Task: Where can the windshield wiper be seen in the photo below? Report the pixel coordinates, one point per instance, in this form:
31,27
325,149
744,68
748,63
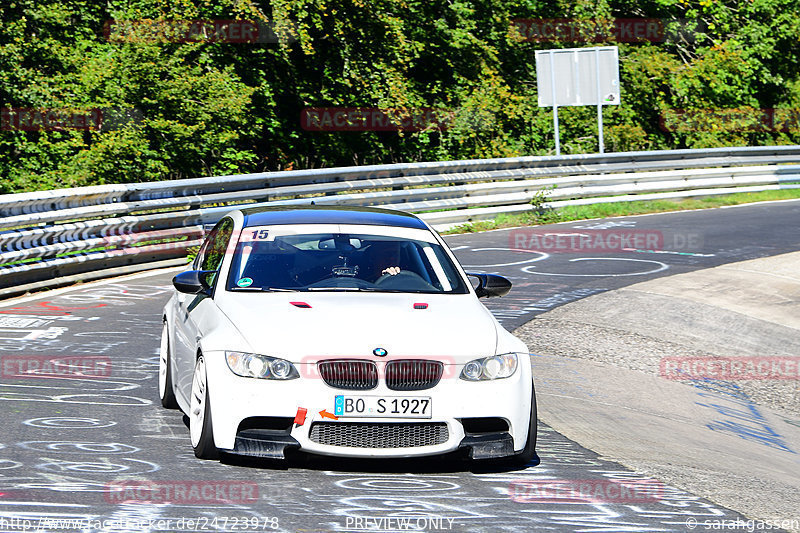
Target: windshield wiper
351,289
262,289
360,289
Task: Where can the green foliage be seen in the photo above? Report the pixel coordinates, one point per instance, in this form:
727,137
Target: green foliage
540,197
190,109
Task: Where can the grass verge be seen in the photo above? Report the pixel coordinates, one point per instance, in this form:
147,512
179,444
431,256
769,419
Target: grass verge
619,209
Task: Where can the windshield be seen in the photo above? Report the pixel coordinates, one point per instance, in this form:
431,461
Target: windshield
281,258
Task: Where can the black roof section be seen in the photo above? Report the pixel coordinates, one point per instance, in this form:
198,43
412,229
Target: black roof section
309,214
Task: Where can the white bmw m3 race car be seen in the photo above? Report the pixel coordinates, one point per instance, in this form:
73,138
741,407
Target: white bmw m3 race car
348,332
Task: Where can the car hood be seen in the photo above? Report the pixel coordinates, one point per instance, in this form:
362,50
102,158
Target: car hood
453,328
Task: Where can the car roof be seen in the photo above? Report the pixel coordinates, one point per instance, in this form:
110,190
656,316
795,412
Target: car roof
279,215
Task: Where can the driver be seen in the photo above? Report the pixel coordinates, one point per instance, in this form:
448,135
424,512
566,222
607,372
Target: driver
380,259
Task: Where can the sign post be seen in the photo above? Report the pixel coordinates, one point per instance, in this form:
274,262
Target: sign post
555,106
578,77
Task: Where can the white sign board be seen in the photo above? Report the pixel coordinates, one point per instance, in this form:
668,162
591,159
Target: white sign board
578,76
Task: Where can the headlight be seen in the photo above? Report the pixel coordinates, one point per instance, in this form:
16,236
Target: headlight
251,365
495,367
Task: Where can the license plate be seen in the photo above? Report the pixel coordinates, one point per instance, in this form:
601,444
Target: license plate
383,406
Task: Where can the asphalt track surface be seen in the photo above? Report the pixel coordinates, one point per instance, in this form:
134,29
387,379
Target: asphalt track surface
71,446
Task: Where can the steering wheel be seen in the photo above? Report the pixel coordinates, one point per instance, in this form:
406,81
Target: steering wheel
404,280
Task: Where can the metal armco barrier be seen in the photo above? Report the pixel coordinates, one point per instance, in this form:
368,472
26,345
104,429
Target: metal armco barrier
50,238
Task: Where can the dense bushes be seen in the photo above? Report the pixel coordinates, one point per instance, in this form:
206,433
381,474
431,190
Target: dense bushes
174,109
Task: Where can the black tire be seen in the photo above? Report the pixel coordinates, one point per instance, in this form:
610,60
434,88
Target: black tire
205,447
167,393
528,453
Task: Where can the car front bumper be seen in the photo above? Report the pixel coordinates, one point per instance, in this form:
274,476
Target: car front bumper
233,399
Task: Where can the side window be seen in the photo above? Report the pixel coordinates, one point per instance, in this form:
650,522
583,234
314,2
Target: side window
202,252
213,252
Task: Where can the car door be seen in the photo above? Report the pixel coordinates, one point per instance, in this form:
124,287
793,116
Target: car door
192,309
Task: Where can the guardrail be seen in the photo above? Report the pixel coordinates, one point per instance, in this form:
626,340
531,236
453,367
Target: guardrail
50,238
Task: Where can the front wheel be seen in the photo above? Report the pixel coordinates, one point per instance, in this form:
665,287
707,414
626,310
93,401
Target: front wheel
528,453
166,391
200,427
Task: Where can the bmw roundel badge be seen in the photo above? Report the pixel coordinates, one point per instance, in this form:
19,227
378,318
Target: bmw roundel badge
380,352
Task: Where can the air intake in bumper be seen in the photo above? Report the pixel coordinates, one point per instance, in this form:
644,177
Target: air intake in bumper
379,436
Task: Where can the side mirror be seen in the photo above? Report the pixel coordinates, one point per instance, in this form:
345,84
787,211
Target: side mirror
490,285
193,282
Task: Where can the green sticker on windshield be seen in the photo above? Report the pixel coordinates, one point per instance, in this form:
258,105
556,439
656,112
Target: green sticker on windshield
245,282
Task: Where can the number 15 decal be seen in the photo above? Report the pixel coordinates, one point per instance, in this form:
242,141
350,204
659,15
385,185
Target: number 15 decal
259,235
